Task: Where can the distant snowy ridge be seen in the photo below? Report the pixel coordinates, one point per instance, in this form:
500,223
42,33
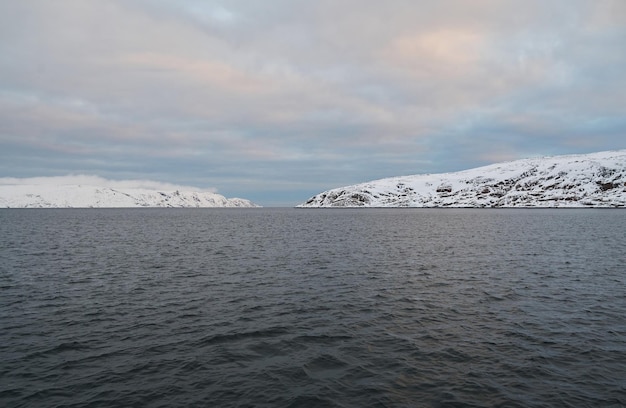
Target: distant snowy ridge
87,196
585,180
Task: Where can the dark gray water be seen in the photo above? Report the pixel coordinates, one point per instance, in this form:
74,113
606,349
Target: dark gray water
297,308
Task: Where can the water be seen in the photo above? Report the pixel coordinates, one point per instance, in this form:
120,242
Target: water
297,308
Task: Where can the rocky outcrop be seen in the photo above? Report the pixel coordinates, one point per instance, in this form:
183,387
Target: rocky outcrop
591,180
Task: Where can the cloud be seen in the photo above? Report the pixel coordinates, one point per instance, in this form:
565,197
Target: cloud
90,180
263,96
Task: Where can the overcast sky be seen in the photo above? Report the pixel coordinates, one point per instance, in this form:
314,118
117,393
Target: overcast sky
277,100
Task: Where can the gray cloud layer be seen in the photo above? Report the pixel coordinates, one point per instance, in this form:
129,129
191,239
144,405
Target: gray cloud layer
277,100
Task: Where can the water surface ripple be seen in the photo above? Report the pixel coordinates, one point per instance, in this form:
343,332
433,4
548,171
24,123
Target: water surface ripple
298,308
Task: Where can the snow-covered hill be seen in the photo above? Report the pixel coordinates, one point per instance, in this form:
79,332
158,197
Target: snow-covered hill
85,196
589,180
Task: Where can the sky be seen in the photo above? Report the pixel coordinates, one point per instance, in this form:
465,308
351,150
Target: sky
278,100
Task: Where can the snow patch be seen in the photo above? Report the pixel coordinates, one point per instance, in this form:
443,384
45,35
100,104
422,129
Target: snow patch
59,192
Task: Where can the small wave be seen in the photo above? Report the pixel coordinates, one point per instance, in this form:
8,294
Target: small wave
239,336
324,367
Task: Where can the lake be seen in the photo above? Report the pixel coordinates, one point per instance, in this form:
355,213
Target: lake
312,308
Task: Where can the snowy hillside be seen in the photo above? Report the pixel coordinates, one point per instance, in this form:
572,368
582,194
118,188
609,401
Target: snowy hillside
589,180
85,196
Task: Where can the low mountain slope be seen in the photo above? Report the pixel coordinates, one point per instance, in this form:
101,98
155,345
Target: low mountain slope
85,196
589,180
